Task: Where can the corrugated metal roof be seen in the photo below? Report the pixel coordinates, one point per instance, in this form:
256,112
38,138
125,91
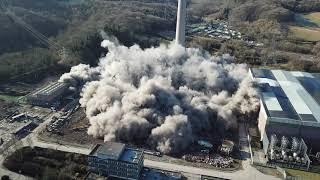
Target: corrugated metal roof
295,99
297,94
271,101
263,73
50,89
271,82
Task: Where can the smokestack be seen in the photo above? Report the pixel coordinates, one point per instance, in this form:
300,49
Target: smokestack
181,22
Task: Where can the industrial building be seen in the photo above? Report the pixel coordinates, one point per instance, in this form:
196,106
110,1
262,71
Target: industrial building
24,130
48,96
288,152
289,105
116,160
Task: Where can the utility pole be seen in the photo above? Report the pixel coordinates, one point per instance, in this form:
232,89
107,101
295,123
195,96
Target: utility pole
63,54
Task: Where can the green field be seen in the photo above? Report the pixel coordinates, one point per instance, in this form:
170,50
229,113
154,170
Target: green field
303,174
9,98
307,34
313,17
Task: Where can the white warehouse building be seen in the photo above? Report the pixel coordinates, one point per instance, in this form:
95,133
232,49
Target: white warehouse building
289,104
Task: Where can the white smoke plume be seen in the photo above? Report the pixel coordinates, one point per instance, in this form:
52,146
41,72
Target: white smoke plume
164,96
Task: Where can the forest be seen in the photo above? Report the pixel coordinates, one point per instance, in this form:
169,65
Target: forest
78,27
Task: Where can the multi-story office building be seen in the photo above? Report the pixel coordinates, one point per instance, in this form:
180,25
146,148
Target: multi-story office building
116,160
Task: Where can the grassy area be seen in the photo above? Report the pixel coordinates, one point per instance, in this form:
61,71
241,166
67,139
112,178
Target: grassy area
269,171
265,67
272,67
9,98
307,34
313,17
303,174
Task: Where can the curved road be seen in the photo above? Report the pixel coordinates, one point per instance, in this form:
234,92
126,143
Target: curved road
247,173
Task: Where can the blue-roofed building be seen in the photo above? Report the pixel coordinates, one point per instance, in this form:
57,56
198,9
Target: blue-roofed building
290,104
116,160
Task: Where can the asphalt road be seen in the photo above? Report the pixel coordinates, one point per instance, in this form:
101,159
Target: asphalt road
247,173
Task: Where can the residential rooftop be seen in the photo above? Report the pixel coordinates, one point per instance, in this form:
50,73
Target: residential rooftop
289,96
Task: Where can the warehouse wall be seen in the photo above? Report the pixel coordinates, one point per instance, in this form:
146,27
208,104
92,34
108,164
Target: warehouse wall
283,129
311,136
262,120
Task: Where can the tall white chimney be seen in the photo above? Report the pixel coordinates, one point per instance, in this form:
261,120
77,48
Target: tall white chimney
181,22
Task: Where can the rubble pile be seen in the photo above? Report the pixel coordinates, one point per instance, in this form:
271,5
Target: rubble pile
214,160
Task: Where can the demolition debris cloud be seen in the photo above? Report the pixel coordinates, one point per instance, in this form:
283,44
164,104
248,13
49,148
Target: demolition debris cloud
164,96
